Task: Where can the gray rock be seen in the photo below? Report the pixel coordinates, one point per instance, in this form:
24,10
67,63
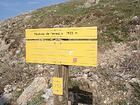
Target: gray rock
48,96
3,45
5,99
135,80
135,18
87,5
137,28
90,3
39,83
0,32
8,88
58,25
86,70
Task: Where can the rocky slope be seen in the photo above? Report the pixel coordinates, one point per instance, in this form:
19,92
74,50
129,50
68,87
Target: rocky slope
116,80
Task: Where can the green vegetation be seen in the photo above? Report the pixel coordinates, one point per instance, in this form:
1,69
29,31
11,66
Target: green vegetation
37,100
17,94
74,83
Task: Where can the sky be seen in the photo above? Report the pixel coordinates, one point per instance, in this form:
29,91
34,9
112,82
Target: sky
10,8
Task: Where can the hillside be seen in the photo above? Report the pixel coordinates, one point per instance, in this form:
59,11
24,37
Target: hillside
116,80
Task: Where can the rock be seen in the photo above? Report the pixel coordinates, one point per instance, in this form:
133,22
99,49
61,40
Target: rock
48,96
106,101
8,88
40,68
39,83
135,18
27,17
90,3
94,84
18,51
135,80
52,68
5,99
87,5
137,27
0,32
58,25
86,70
3,45
85,76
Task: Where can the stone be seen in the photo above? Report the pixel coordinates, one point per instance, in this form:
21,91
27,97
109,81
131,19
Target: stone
40,68
27,17
86,70
52,68
8,88
85,76
0,32
137,28
94,85
18,51
3,46
87,5
58,25
5,99
90,3
48,96
39,83
135,80
135,18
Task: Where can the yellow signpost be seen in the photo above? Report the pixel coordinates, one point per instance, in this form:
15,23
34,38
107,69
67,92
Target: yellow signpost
80,53
62,46
62,33
57,86
41,48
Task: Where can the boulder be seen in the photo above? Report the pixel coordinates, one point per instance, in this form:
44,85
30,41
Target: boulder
48,96
39,83
5,99
3,45
9,88
135,18
90,3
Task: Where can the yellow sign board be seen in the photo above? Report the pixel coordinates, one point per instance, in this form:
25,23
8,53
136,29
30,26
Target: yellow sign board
57,86
48,49
65,33
78,53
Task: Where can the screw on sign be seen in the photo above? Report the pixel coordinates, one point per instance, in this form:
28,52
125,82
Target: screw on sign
57,86
63,47
74,60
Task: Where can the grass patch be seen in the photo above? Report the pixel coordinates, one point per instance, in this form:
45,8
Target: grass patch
73,83
37,100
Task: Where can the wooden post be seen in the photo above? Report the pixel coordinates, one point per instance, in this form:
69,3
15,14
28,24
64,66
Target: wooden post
62,72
